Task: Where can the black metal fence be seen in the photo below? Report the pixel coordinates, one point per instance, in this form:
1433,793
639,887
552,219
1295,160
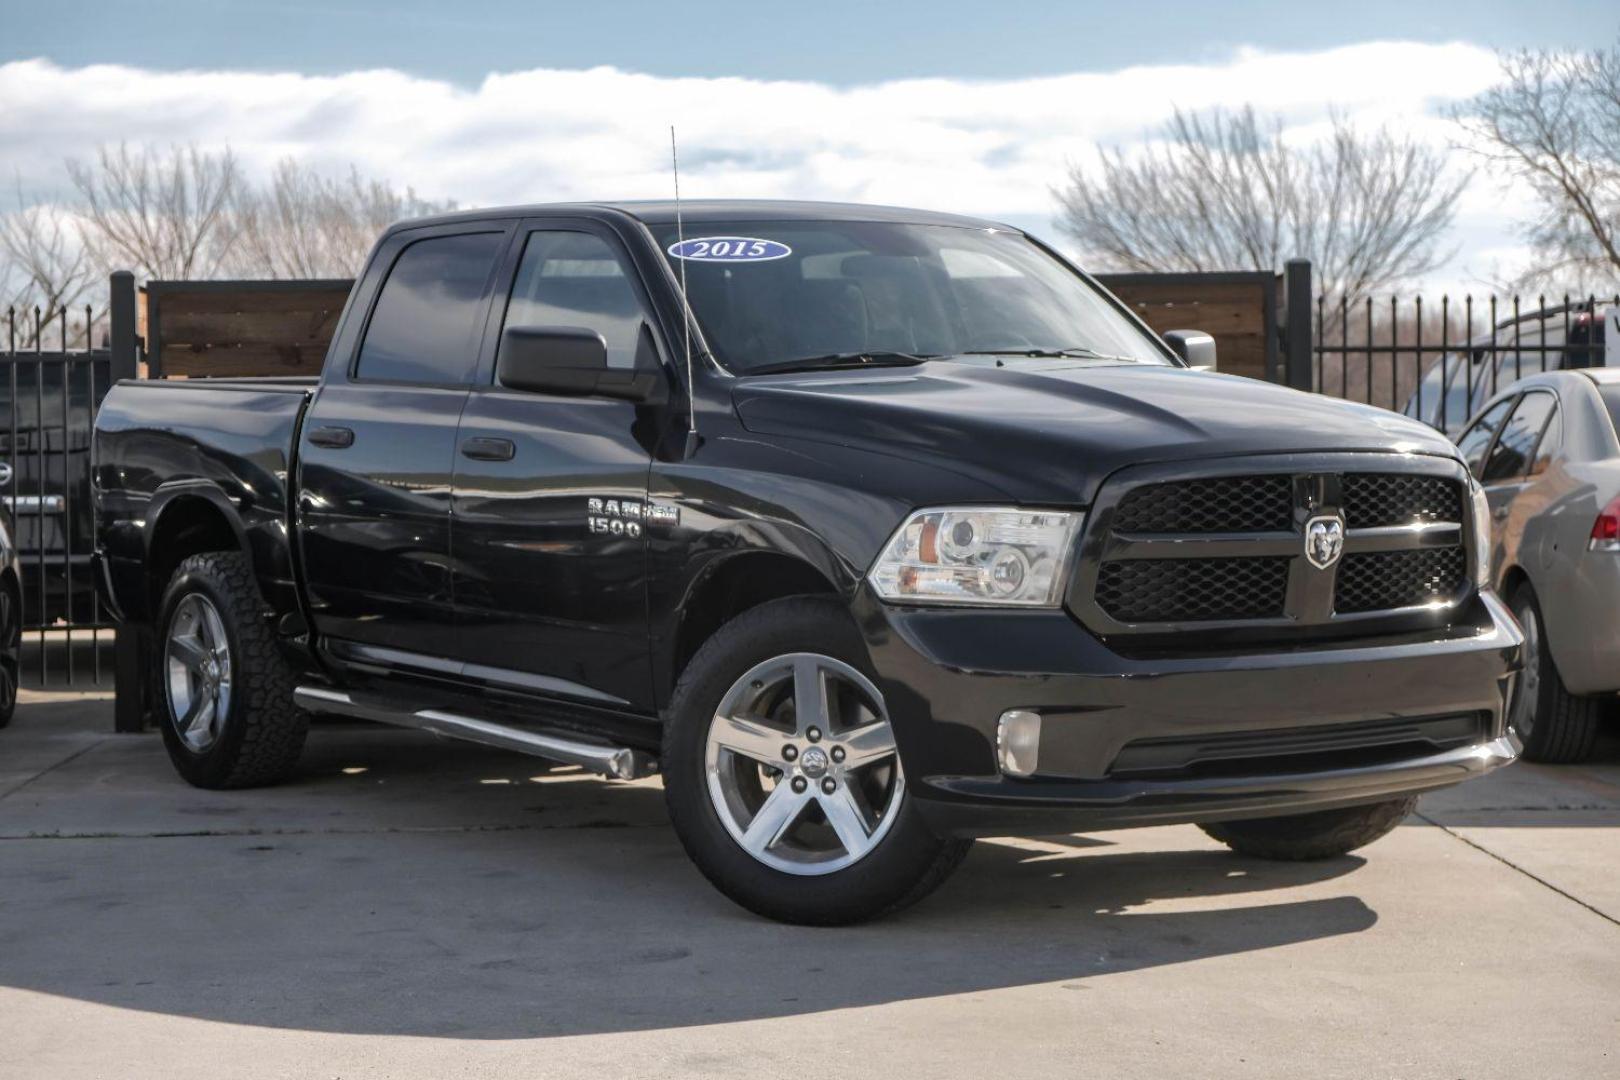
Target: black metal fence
52,392
1439,362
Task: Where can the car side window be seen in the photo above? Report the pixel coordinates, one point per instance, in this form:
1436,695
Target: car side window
1477,439
1510,457
1552,439
422,329
577,279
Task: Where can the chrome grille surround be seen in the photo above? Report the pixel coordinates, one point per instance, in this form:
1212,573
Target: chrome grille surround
1407,547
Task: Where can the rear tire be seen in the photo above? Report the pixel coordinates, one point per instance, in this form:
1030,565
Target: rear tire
1324,834
1556,726
224,691
804,868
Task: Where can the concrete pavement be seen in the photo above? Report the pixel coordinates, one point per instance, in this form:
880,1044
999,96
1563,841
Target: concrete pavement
410,907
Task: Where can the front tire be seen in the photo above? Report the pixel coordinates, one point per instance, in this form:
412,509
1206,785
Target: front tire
1324,834
1556,726
224,691
781,776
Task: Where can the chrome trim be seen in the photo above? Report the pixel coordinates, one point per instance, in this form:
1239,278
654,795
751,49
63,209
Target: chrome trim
1423,534
31,504
618,762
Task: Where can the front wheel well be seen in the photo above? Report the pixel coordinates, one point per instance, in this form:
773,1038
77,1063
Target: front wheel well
1512,578
736,585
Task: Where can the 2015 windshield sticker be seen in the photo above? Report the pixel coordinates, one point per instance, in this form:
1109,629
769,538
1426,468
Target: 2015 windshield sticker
729,249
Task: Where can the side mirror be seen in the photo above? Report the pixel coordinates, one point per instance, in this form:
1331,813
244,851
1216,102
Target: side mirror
573,361
1196,348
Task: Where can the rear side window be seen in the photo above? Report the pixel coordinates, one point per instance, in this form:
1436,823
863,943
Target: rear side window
423,327
1510,457
576,279
1477,439
1610,393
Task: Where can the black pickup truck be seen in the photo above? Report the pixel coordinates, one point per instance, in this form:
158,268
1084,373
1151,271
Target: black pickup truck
872,530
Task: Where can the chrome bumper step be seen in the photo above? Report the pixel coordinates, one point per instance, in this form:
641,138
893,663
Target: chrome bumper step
618,762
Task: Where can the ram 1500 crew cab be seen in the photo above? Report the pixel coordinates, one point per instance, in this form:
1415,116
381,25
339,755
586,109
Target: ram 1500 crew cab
872,530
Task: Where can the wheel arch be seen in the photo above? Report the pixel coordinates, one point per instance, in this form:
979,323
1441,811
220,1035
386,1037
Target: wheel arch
187,518
729,586
1513,577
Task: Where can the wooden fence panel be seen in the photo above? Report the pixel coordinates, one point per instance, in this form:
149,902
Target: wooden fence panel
198,329
1238,309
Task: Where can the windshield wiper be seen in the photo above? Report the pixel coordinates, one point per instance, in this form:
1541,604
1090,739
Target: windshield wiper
1078,352
842,360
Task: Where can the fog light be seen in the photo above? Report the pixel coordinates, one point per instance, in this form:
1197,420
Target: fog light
1018,742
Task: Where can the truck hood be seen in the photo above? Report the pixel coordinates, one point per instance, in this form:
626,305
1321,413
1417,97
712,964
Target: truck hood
1051,432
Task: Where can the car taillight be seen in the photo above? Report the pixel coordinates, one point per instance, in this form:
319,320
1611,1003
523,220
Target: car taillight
1606,529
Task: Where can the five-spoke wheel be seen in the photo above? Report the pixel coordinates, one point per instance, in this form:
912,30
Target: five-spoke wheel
782,771
224,688
197,661
801,765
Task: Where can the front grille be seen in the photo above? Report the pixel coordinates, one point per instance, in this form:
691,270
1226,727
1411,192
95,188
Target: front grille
1231,550
1193,590
1226,504
1374,499
1379,580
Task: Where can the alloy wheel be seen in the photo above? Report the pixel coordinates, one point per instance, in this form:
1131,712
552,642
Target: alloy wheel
197,666
801,764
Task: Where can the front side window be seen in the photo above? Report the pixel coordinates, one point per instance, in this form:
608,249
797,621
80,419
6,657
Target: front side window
1510,457
576,279
423,329
773,292
1477,439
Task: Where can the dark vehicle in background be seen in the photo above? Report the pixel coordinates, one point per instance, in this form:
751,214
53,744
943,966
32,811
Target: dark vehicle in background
47,403
10,620
1581,335
1549,459
872,530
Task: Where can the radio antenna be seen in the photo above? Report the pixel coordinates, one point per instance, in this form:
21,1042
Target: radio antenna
686,305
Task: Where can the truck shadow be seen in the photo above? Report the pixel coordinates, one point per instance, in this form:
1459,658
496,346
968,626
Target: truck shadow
584,916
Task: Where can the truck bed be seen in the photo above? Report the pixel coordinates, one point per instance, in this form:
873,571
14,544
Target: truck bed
164,446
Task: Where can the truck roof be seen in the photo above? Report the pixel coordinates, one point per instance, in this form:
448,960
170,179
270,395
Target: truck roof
702,211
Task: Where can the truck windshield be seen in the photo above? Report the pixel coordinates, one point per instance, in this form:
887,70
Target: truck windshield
768,294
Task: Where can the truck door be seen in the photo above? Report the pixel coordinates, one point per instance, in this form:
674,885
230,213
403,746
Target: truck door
379,442
550,492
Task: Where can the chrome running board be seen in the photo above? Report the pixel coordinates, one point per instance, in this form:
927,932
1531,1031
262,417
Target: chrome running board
618,762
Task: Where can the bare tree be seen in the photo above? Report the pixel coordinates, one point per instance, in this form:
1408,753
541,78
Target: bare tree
305,225
1225,191
47,265
162,214
1554,121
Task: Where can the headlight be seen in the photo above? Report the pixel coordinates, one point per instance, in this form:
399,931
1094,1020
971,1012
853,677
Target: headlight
1482,533
997,557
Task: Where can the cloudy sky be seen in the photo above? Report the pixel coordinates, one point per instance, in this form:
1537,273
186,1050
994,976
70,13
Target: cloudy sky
976,107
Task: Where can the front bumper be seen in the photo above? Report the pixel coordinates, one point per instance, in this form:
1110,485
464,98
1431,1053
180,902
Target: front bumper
947,676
